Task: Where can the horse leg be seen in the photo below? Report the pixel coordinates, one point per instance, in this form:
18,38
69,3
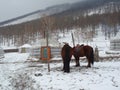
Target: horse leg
63,65
77,61
89,65
66,66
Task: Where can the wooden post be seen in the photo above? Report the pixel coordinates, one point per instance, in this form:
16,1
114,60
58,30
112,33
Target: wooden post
73,39
47,35
96,54
47,42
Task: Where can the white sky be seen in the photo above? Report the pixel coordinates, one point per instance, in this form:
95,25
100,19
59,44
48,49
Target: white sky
13,8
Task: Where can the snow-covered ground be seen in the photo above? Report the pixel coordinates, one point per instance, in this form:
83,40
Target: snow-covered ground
18,73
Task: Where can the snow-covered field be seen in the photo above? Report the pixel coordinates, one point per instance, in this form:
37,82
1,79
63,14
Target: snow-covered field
18,73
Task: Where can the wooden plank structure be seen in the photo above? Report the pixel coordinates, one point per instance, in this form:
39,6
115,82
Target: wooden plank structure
45,53
36,52
115,43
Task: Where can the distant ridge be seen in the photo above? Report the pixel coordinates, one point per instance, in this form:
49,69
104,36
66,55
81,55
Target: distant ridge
48,11
81,7
20,17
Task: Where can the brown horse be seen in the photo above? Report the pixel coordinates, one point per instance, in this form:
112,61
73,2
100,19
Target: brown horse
66,54
81,51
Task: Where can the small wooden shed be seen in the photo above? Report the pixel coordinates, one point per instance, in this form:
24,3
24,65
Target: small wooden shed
26,48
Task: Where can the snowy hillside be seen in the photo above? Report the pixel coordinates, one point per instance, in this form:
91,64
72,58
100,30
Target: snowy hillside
84,7
106,8
25,19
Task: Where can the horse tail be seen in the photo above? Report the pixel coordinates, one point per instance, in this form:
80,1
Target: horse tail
92,56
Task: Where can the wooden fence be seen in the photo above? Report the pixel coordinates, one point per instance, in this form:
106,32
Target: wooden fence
56,52
115,44
36,52
10,50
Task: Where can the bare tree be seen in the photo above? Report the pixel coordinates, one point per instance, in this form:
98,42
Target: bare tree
47,24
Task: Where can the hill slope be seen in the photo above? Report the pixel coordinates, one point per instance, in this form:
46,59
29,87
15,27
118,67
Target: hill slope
86,7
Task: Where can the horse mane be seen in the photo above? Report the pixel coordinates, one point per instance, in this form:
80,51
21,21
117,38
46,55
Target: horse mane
65,43
82,45
66,48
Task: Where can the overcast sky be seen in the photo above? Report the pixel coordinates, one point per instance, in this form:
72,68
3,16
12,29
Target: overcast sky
13,8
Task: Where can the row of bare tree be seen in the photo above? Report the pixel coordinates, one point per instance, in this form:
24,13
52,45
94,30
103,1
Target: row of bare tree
29,32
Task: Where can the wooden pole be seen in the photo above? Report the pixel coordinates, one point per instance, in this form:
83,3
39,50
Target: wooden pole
96,54
47,42
73,39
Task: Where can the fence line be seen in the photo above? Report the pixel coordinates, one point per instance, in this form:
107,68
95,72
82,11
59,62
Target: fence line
56,52
36,52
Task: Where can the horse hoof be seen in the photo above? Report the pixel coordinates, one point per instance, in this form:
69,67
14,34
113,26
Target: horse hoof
77,65
89,66
67,72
